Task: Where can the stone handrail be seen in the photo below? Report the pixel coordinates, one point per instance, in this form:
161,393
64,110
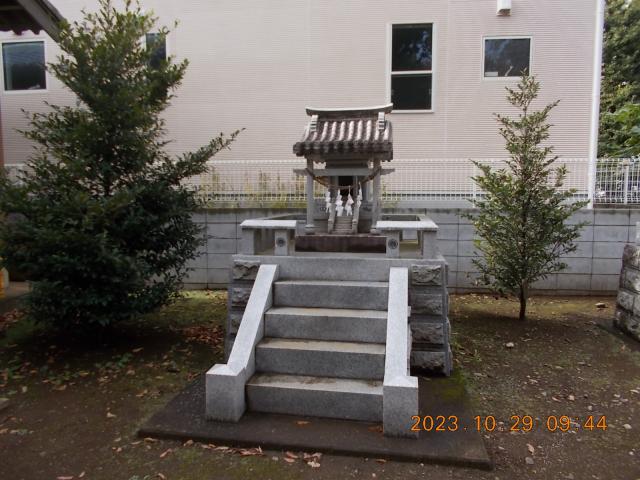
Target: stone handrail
225,383
332,217
400,389
259,233
426,229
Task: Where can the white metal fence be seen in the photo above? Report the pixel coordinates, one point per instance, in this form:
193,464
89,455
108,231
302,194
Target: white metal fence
617,181
414,180
441,181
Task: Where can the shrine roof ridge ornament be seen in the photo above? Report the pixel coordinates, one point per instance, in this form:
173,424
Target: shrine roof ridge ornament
338,132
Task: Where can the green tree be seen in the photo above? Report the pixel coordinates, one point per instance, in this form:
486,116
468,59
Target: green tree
101,221
522,219
621,78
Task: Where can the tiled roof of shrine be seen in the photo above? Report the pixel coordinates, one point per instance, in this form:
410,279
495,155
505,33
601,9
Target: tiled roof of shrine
347,131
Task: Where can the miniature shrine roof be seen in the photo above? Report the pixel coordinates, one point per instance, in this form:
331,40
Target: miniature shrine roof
362,131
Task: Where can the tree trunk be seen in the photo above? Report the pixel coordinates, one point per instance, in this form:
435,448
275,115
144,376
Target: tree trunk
523,302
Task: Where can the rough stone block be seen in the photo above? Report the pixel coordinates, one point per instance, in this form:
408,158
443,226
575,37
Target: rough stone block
427,332
426,303
626,300
628,323
239,296
429,361
631,256
426,274
234,317
245,269
630,280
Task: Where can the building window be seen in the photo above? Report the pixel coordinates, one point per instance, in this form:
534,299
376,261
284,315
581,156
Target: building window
506,57
411,66
23,66
157,44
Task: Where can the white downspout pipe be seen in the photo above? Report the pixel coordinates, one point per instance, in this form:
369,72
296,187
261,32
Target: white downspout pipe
595,98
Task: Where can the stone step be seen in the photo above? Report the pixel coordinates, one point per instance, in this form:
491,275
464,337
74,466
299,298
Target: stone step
341,324
348,399
331,294
321,358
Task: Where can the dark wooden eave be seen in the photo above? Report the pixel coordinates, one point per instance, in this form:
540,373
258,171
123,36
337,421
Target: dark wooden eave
21,15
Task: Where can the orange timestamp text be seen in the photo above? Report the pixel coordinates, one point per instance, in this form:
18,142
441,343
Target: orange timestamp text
517,423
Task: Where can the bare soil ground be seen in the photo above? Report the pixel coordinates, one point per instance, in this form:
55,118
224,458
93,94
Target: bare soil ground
76,402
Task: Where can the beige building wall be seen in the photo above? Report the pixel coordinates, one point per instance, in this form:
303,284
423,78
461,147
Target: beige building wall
257,63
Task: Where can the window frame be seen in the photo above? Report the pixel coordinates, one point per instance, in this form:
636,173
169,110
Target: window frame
31,39
390,72
167,53
505,37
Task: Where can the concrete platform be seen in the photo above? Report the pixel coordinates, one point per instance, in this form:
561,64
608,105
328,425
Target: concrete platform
183,419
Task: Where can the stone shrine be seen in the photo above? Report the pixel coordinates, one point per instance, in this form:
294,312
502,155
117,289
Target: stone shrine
329,314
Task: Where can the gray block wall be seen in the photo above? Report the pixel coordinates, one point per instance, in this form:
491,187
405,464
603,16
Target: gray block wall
593,269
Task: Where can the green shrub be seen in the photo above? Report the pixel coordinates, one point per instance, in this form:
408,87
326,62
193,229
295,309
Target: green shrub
100,221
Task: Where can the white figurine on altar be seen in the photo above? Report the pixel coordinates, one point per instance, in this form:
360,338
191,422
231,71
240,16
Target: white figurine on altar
339,207
359,199
349,208
327,200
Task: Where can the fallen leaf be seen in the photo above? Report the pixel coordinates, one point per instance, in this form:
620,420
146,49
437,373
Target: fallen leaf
165,453
188,443
302,422
64,478
137,350
531,448
150,440
376,428
509,344
110,415
288,460
291,455
528,460
251,452
381,460
161,476
313,464
82,475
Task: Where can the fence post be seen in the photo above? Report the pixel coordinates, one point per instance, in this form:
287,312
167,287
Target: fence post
625,187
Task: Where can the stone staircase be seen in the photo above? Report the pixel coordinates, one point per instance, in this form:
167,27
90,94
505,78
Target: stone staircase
316,336
342,225
323,351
